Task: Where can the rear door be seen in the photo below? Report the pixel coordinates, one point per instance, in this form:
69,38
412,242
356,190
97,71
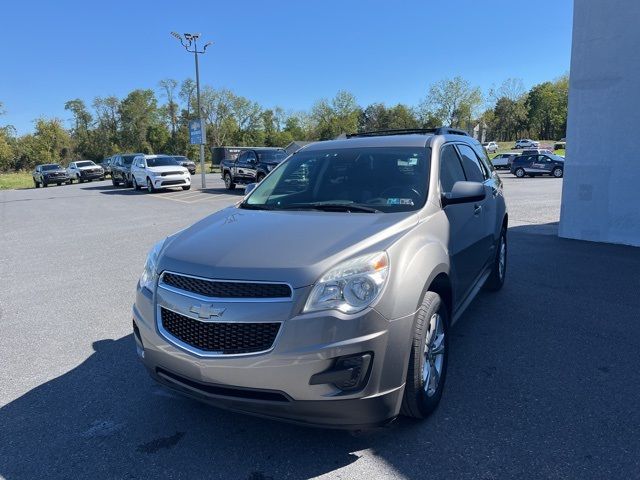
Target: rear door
465,221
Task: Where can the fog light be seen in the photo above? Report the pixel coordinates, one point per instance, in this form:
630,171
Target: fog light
348,373
139,344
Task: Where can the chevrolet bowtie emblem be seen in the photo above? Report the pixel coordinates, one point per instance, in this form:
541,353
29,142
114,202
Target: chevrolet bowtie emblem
206,311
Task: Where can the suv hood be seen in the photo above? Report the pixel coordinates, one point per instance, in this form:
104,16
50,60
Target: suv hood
296,247
90,167
167,168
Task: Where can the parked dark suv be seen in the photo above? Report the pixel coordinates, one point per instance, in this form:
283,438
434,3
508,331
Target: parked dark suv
121,169
44,175
251,166
534,165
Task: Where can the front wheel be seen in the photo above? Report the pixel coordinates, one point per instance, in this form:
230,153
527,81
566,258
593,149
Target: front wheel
36,184
519,172
228,182
557,172
135,184
150,187
428,359
186,187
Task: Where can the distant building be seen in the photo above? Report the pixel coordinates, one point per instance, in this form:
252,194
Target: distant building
295,146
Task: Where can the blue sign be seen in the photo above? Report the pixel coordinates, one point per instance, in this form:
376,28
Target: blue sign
196,132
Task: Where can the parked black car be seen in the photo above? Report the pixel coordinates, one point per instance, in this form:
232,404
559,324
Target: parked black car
534,165
186,163
121,169
251,166
49,173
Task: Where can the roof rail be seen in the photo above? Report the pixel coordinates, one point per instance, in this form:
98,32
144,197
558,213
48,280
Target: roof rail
409,131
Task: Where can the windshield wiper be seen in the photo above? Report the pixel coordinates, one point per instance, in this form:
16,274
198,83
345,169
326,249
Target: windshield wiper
253,206
331,207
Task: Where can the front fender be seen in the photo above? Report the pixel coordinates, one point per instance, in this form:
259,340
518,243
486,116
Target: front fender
415,260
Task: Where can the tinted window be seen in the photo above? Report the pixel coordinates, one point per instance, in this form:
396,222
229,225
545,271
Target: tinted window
471,164
50,167
450,168
389,179
272,155
85,164
127,159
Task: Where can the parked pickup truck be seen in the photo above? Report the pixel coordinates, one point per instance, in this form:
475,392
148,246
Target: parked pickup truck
251,166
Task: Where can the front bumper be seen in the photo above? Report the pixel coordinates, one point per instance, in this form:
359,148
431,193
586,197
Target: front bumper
171,181
279,380
91,176
57,179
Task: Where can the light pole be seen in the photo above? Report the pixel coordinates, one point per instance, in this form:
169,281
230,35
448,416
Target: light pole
190,43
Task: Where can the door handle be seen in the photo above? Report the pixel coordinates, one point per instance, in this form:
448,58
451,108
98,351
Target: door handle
477,209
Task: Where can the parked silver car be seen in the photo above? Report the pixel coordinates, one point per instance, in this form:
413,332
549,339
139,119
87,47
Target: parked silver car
326,295
491,147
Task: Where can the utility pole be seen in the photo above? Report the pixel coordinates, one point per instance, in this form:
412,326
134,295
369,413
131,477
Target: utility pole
190,43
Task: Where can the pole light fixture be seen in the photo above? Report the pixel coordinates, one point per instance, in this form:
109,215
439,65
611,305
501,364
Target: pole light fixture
190,43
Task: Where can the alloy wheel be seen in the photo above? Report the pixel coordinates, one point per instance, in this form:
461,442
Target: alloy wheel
433,355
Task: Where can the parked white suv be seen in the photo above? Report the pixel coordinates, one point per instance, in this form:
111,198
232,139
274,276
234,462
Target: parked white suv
154,172
491,147
526,143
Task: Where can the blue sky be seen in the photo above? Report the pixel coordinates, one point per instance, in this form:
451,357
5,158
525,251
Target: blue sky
275,52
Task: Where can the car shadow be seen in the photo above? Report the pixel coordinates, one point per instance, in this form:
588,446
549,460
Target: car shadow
238,191
111,190
542,382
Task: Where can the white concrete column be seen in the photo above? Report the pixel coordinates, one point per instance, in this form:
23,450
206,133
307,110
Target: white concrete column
601,191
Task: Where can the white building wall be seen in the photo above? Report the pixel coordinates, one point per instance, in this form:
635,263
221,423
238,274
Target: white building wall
601,191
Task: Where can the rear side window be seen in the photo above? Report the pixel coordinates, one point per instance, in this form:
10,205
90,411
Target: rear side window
450,168
471,164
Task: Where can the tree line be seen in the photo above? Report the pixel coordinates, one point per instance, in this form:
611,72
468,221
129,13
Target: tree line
151,121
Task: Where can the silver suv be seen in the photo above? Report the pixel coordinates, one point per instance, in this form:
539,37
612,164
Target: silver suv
326,295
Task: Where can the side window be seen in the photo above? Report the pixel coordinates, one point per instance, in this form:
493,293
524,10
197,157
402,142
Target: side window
242,157
450,168
471,164
486,163
251,157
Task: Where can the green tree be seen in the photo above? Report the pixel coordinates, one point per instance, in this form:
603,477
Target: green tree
138,113
452,102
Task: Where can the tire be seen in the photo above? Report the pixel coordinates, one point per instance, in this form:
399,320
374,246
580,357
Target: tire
150,187
37,185
135,184
115,182
58,184
228,182
519,172
420,397
557,172
186,187
499,268
44,184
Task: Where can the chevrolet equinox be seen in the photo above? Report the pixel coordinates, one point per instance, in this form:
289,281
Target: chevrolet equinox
326,296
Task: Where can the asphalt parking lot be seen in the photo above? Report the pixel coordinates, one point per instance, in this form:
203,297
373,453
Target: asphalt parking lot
543,376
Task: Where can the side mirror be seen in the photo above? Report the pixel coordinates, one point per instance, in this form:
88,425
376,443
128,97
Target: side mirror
464,192
249,188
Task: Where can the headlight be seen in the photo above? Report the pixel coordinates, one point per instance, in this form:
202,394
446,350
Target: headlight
351,286
150,273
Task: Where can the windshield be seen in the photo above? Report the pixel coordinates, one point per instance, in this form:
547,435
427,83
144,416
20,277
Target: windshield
85,164
161,162
128,159
386,179
181,159
557,158
51,167
271,155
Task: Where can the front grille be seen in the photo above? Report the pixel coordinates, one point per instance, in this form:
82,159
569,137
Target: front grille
218,289
172,182
224,338
166,174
